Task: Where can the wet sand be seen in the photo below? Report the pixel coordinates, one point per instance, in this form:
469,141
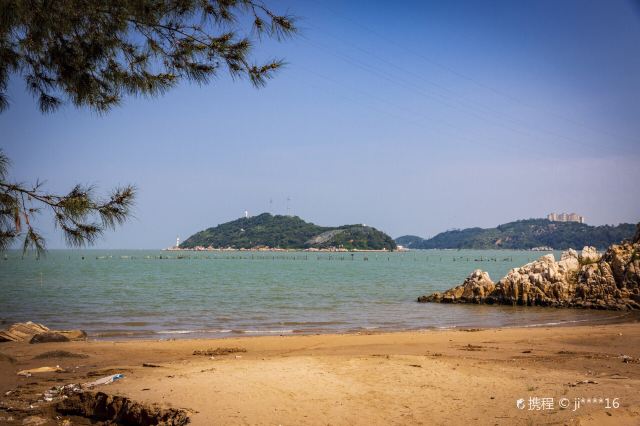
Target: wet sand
430,377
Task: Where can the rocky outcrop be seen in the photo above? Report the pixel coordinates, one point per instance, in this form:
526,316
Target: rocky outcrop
474,289
37,333
584,280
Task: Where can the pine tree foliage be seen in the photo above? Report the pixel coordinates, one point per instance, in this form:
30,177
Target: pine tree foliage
92,53
80,215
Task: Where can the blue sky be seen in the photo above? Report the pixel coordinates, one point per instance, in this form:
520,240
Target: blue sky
414,117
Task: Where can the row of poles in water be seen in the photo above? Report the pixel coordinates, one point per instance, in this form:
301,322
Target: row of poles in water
332,257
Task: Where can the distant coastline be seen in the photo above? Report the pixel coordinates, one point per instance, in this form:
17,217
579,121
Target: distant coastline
529,234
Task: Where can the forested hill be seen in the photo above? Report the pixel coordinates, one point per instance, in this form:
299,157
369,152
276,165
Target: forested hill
525,234
288,232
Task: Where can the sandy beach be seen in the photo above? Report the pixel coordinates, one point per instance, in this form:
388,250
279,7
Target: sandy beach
431,377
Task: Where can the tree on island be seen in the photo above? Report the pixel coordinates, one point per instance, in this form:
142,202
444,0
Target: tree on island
92,54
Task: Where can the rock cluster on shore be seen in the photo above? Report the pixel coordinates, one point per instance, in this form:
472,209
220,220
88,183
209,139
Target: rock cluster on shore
37,333
585,280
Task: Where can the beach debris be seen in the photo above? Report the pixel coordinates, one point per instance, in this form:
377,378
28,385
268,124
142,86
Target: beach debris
528,351
34,421
582,382
415,365
62,391
31,371
629,359
108,372
103,381
471,347
219,351
618,377
26,331
60,354
146,364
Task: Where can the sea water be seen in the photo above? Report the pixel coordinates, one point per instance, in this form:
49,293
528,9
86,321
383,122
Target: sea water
148,293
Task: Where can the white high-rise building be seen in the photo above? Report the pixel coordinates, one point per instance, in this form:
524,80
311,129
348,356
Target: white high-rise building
565,217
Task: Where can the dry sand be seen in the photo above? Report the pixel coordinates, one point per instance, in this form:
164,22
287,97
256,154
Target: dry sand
430,377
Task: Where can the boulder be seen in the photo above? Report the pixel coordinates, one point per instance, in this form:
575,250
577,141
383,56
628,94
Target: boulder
27,331
22,331
49,337
73,334
475,288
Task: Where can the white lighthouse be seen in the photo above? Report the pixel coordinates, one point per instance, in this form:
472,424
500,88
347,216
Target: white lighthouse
177,242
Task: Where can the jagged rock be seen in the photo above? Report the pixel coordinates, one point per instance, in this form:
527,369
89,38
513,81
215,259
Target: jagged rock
589,255
542,282
474,289
26,331
588,280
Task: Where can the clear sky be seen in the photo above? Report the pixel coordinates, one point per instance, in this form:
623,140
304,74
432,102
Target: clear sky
413,117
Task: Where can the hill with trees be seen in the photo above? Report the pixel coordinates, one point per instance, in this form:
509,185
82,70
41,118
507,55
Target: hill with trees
288,232
524,235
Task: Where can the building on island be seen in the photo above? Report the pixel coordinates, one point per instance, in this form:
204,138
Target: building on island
566,217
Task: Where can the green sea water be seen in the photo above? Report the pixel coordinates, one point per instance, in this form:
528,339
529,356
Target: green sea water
146,293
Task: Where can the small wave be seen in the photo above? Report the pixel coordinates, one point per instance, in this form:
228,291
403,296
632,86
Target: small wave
191,331
562,322
135,323
118,333
262,331
306,323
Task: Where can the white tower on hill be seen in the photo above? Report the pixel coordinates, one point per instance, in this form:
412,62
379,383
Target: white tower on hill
177,241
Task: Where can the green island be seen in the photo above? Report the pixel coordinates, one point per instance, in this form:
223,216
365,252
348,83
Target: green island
288,232
525,235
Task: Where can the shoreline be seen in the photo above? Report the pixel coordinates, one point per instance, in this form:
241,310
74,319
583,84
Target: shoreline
627,317
408,377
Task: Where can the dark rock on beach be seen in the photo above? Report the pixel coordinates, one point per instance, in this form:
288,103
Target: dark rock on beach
585,280
114,409
49,337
